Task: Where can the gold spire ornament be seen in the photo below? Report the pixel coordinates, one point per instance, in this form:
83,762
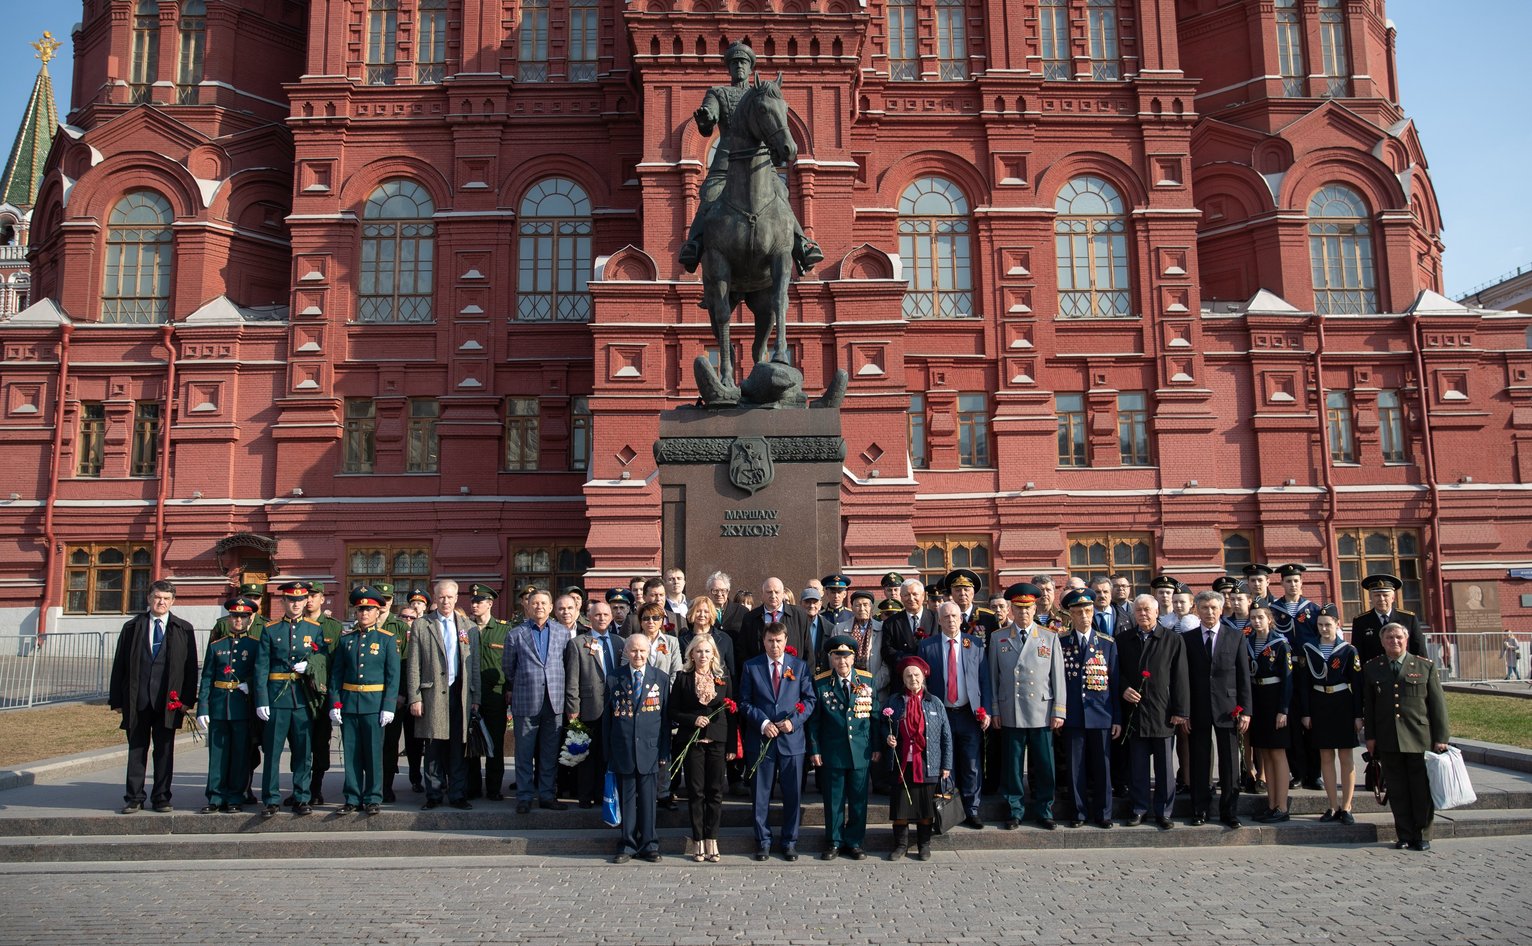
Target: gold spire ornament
47,47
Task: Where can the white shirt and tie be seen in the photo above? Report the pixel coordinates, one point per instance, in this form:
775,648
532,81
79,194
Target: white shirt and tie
449,643
952,653
156,637
776,684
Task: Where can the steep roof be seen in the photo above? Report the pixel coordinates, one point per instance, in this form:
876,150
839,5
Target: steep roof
24,168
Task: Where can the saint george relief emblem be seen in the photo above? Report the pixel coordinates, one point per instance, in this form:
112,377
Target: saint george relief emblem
750,466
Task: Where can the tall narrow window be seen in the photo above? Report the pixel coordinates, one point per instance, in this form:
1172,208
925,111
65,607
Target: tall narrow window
422,451
1332,47
193,50
579,433
521,433
973,430
431,46
916,417
1340,253
532,42
361,428
382,42
554,253
903,42
933,239
1133,428
1338,420
1091,237
1053,39
398,254
90,450
136,289
1290,58
146,439
1101,21
952,39
1391,426
582,40
1070,409
146,50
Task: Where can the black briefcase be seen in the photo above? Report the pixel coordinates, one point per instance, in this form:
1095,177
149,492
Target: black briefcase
949,807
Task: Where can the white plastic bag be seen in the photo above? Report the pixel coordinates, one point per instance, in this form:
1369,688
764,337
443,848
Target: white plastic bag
1449,779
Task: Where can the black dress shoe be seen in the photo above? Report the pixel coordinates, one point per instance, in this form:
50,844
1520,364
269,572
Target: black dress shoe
1345,817
250,798
1401,845
622,858
302,808
231,809
1165,824
972,821
1104,823
523,807
430,803
462,804
669,804
1233,823
417,788
1421,846
346,809
1199,820
269,812
1077,823
1314,785
1011,824
855,853
1047,824
1134,821
789,853
762,853
652,857
209,809
373,808
388,795
829,854
163,809
318,799
553,804
495,796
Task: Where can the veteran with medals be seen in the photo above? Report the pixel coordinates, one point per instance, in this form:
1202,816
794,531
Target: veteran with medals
1025,668
839,744
637,737
364,683
1093,715
226,711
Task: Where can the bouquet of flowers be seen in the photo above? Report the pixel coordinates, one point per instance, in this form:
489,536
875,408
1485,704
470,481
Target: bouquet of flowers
576,744
188,721
766,746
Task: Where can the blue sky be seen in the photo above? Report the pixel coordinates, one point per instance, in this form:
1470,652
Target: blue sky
1463,80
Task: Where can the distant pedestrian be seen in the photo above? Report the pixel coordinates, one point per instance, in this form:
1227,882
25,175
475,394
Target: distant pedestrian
1512,650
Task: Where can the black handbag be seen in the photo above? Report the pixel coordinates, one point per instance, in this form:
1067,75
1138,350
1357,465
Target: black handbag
949,807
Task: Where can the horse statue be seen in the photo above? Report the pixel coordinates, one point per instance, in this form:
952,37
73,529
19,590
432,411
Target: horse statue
747,255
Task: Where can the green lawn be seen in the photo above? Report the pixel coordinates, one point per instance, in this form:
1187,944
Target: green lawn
1503,719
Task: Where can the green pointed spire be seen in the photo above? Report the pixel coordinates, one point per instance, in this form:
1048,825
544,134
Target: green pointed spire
24,168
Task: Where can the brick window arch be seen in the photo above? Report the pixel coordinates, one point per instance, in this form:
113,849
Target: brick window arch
1091,241
139,253
554,253
934,242
1340,252
398,254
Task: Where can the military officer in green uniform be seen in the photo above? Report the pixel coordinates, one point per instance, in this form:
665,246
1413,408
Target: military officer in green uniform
839,744
253,591
364,683
389,621
225,711
331,629
492,631
290,656
1405,715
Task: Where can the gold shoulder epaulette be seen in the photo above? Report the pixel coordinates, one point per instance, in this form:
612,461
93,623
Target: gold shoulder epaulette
385,633
822,674
864,673
1403,611
980,609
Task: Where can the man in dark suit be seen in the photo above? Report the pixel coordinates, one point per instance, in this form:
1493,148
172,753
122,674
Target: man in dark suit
959,681
154,681
1218,674
1151,661
1382,592
821,627
773,609
1108,618
588,661
903,632
776,698
1405,713
637,737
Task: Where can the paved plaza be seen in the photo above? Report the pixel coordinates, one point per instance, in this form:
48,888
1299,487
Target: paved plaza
1470,891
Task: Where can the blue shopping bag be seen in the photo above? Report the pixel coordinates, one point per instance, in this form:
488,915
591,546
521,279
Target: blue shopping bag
611,805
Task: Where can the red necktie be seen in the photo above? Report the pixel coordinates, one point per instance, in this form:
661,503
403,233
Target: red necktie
776,677
952,672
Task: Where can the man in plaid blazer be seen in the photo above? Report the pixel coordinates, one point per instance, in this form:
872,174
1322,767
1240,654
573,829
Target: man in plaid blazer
534,683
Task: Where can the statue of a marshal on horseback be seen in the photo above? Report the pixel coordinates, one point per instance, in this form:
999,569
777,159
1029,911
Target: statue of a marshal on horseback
747,239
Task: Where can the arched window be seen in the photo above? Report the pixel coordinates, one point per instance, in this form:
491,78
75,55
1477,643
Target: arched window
1091,240
398,254
933,240
193,50
136,289
554,253
1340,252
146,49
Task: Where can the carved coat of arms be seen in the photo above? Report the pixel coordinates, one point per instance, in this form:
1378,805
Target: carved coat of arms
750,466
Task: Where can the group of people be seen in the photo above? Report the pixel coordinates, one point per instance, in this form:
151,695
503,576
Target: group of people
925,694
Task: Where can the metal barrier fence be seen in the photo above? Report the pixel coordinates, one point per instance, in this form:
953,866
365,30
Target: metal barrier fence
69,665
1484,658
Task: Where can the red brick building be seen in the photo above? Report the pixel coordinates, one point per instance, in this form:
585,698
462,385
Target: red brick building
350,289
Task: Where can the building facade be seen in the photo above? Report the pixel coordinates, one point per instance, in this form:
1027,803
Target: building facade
363,289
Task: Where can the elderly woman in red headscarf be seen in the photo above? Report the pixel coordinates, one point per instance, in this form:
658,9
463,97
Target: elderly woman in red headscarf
913,726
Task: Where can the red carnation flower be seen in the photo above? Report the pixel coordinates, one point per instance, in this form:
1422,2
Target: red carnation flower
228,668
797,707
980,715
1237,711
1145,674
792,651
730,705
315,645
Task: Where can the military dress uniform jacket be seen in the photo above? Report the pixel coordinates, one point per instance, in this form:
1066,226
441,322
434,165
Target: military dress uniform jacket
364,672
1272,663
223,628
1090,682
228,663
1056,620
1367,626
981,622
1026,677
425,679
1343,668
841,732
284,644
492,638
1407,713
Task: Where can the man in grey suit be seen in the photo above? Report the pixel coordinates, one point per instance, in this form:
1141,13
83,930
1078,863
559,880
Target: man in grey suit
588,660
1218,673
443,683
1025,666
534,679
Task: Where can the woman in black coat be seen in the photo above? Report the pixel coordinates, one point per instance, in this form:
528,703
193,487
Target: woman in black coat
699,702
